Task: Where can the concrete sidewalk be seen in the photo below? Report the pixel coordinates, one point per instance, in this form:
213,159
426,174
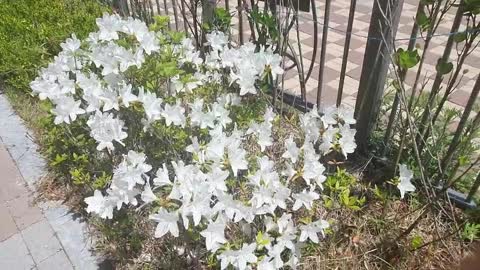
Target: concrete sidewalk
44,236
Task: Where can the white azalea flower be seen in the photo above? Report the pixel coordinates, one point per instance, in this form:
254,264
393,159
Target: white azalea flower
313,170
109,25
330,115
45,88
405,178
100,205
217,40
151,104
71,45
196,150
329,138
292,151
238,258
289,171
125,94
162,178
167,222
311,230
132,170
347,140
221,114
305,198
105,129
311,125
149,42
119,194
197,208
216,181
109,98
174,114
237,158
214,236
147,194
66,110
200,118
284,222
346,115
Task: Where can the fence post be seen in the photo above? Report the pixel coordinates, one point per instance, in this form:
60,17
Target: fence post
121,6
208,9
381,33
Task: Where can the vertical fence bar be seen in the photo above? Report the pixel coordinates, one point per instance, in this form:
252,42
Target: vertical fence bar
321,72
250,23
152,12
184,16
381,33
148,11
175,13
299,62
159,12
133,8
227,5
240,21
127,9
165,6
194,6
315,38
121,6
346,49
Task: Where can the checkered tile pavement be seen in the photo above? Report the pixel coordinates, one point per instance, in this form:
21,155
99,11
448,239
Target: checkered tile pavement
335,45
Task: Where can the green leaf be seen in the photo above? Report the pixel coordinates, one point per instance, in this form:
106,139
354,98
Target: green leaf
328,203
422,20
471,7
407,59
417,241
443,67
471,231
262,240
460,37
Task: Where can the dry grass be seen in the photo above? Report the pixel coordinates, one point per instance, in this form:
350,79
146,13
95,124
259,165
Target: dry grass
367,240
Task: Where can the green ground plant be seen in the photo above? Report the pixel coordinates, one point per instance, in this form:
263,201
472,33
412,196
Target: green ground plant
31,32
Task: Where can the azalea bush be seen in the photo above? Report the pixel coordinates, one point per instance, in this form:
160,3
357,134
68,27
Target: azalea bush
190,140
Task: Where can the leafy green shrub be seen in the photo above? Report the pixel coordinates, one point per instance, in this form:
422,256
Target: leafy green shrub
471,231
31,32
339,191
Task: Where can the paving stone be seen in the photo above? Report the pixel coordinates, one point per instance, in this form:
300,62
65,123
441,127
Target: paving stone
58,261
355,73
41,240
14,254
24,212
73,235
460,97
7,225
32,167
11,181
